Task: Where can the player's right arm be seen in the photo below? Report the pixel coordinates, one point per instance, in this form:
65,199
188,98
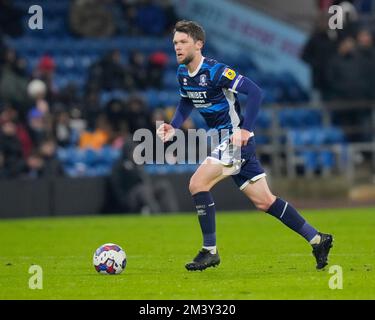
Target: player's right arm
166,131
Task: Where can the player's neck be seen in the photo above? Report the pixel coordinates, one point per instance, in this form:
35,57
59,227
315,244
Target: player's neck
194,64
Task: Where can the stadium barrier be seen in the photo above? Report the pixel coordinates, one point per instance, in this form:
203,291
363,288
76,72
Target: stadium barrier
24,198
90,196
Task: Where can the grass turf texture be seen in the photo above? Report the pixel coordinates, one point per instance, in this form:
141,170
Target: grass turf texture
261,259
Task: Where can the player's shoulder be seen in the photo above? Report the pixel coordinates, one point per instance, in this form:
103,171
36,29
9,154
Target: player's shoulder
210,63
215,68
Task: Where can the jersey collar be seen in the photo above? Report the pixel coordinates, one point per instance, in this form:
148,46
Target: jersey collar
196,70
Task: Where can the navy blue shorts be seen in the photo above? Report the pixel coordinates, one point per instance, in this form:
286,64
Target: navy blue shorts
249,167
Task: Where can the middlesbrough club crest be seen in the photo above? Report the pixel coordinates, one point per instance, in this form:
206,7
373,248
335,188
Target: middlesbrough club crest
203,80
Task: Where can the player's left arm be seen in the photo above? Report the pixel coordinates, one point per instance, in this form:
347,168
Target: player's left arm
253,102
240,84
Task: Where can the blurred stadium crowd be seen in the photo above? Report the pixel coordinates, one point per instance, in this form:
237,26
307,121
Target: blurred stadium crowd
80,97
72,94
342,60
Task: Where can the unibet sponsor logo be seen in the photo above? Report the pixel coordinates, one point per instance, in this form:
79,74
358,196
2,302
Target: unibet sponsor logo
197,95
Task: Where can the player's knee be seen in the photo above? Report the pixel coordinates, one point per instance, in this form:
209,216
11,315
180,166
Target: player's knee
196,185
265,203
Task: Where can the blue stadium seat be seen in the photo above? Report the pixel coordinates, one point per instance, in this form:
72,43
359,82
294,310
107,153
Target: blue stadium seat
310,160
264,119
161,169
262,139
185,168
168,97
108,155
299,118
335,135
327,159
63,156
60,81
103,170
155,169
152,98
292,89
298,138
106,96
88,162
271,95
150,168
310,117
170,80
317,136
90,157
76,170
71,171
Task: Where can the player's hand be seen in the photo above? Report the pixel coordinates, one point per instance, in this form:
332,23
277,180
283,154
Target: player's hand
165,132
240,137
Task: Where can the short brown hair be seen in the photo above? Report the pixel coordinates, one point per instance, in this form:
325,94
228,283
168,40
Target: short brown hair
191,28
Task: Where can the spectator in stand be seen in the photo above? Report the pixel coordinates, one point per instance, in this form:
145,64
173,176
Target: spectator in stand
37,126
13,80
11,149
92,107
2,48
77,123
3,171
349,84
98,137
324,5
62,131
350,18
366,53
34,166
113,75
133,189
137,114
52,166
345,73
109,73
158,115
45,71
157,63
138,70
151,19
91,18
129,9
170,15
317,52
350,21
68,98
121,135
10,19
116,112
364,6
37,91
10,113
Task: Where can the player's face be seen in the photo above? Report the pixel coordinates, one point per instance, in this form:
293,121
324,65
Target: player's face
186,48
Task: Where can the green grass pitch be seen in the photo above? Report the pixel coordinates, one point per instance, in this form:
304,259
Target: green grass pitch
261,259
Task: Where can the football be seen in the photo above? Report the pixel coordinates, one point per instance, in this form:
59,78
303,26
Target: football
109,259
